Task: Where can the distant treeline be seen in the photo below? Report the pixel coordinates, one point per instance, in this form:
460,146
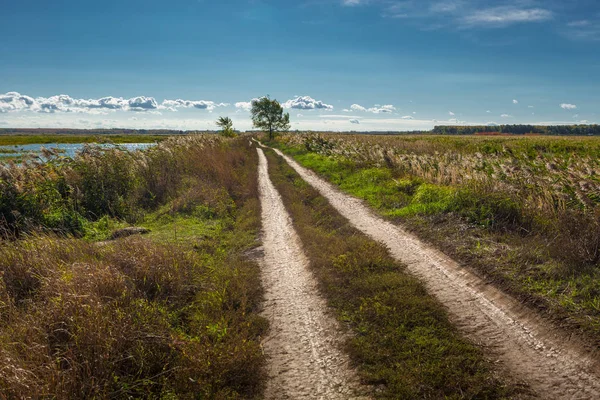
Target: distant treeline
573,130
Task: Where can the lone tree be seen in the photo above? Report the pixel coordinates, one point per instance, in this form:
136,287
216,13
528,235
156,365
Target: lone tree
226,124
268,114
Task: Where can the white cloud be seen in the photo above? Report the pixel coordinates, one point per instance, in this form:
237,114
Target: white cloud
346,110
306,103
407,117
199,104
530,107
357,107
451,113
506,15
488,111
244,105
584,121
14,101
354,121
515,101
142,103
506,116
378,109
300,115
566,106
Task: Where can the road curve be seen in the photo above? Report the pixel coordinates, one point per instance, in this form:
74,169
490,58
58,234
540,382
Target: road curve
550,361
303,344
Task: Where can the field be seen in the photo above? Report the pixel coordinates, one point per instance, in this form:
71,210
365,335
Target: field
186,310
524,211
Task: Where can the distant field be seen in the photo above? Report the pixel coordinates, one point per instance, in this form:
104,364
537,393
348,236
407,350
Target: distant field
11,140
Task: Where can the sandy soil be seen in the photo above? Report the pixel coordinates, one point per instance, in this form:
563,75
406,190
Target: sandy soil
303,345
555,364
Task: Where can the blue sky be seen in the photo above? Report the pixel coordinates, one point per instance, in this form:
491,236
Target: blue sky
334,64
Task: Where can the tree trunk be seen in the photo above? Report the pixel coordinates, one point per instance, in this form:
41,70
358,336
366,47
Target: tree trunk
270,133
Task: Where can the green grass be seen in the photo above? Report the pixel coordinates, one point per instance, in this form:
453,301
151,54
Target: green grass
401,338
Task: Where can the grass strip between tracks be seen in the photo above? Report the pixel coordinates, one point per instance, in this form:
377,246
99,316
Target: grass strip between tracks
401,339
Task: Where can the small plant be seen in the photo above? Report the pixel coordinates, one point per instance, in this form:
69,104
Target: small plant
226,125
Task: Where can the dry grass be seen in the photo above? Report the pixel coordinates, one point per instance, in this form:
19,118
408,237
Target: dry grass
136,317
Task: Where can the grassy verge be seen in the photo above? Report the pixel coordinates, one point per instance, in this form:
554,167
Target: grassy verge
401,337
170,316
486,230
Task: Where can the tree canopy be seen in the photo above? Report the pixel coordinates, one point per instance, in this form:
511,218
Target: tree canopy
268,114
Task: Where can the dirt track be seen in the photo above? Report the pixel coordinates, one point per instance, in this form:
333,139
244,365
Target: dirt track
550,361
303,345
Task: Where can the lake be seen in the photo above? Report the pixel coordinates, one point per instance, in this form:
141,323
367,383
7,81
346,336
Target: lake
67,149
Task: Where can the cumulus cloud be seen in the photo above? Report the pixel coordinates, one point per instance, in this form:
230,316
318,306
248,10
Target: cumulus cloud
566,106
244,105
407,117
142,104
451,113
515,101
354,121
306,103
13,101
505,116
357,107
199,104
378,109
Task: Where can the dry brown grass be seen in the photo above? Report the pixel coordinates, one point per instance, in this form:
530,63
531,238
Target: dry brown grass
134,318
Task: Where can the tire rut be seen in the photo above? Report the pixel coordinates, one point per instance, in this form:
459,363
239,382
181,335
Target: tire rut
552,362
303,344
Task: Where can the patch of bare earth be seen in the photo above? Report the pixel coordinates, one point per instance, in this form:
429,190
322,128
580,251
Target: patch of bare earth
554,363
303,345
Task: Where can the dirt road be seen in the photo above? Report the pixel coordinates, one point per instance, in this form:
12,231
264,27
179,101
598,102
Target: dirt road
555,365
303,345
